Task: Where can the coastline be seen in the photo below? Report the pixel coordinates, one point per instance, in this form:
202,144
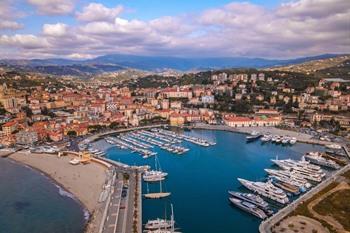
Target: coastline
71,181
60,186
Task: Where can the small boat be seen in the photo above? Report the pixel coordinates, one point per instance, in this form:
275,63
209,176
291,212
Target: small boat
162,225
317,158
253,136
248,207
333,146
74,161
286,186
255,199
159,195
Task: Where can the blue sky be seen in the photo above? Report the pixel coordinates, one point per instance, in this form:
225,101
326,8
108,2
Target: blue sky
257,28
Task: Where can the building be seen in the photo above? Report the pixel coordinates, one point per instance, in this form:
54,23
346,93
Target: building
238,121
177,119
9,127
208,99
26,137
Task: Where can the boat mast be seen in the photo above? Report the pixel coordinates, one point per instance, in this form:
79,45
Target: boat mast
172,219
155,162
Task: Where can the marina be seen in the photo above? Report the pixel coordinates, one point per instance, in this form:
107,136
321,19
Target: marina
191,175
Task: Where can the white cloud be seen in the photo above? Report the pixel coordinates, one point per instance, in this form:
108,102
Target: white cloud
58,29
7,16
24,41
8,24
313,8
79,56
98,12
298,28
53,7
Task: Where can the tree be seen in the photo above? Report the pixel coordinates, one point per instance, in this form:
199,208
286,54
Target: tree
114,125
72,133
28,111
2,109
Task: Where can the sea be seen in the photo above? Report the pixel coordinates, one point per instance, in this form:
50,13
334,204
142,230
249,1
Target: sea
200,179
31,203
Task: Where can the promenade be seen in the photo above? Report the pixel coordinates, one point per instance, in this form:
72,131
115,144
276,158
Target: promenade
119,212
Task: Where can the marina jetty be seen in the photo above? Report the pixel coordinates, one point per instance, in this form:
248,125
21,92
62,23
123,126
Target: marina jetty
301,137
106,133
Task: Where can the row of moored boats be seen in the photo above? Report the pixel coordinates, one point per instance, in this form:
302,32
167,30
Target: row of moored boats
142,141
293,177
285,140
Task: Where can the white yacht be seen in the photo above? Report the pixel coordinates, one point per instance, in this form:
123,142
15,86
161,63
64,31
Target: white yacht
317,158
158,224
154,175
302,165
266,189
162,225
292,140
334,146
289,177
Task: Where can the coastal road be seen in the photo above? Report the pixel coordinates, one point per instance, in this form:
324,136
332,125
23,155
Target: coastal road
110,225
130,209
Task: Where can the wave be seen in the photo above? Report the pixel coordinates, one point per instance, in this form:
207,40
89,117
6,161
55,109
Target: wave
86,214
64,193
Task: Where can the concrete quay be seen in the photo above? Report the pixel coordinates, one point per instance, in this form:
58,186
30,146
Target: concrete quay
265,226
301,137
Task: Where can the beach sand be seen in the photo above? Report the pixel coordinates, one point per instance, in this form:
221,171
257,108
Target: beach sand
85,182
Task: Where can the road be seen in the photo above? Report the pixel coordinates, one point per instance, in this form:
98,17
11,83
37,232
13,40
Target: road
112,216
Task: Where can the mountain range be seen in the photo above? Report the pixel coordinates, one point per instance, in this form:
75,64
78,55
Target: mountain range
116,62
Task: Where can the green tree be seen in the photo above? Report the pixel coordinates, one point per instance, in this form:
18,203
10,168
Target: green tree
72,133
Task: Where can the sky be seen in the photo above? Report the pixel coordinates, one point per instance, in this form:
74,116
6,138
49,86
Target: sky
82,29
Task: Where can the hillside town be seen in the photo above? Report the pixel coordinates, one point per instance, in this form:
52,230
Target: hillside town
54,113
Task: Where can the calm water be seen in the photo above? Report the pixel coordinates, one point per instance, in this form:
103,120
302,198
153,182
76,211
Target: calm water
199,180
30,202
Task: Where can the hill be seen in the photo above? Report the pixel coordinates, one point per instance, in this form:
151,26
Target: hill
117,62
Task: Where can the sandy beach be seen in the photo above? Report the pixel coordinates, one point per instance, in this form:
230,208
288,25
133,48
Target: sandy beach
85,182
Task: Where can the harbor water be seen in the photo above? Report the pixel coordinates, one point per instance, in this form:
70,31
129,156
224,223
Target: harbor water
200,179
31,202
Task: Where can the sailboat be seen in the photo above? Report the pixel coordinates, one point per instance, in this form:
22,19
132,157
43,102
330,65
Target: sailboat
159,195
154,175
163,225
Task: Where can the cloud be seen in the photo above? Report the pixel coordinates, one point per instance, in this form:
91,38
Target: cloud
7,16
53,7
24,41
98,12
298,28
313,8
8,24
58,29
79,56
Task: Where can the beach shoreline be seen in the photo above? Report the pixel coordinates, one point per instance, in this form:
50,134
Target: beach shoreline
76,182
